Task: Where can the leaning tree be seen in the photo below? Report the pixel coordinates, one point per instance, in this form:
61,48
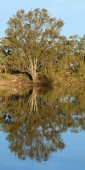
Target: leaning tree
33,40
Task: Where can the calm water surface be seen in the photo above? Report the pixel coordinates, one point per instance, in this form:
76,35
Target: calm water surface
42,129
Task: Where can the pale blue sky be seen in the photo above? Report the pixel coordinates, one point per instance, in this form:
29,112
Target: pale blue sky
72,12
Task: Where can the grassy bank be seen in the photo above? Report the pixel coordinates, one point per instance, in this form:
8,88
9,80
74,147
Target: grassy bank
21,81
14,83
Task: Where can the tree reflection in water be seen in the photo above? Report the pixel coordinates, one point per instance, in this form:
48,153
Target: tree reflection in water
34,122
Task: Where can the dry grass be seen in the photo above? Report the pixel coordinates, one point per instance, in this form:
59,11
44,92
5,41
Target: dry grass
21,81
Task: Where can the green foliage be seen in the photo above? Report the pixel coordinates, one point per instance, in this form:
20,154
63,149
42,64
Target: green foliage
32,39
33,45
4,76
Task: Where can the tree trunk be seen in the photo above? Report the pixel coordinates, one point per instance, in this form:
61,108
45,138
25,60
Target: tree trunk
5,69
33,66
33,102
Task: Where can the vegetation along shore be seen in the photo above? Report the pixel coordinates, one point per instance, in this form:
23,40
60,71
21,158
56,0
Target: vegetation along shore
34,53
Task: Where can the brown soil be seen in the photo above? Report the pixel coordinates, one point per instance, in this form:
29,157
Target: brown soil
14,83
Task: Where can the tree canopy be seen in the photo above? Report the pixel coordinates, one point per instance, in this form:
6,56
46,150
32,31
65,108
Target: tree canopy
32,40
33,44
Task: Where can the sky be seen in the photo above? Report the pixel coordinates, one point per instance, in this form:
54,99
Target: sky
72,12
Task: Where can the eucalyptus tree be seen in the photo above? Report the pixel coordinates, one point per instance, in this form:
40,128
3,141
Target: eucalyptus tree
4,53
81,47
33,40
2,59
70,53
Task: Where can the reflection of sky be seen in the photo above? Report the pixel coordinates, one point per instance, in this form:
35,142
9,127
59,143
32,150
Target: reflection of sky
71,158
66,99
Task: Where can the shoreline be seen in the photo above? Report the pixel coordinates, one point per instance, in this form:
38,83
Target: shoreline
21,81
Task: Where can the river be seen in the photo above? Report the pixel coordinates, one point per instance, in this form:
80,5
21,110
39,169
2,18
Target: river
42,129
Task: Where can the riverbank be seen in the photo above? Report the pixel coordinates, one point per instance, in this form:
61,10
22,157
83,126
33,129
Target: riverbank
22,82
17,83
